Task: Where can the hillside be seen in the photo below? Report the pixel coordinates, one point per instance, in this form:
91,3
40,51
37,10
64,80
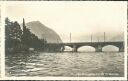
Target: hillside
42,31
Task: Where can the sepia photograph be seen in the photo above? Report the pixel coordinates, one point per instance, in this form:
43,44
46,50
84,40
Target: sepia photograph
65,39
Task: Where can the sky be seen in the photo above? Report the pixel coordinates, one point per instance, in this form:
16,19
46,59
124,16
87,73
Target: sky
81,19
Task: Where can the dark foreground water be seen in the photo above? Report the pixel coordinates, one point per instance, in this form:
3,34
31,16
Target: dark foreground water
66,64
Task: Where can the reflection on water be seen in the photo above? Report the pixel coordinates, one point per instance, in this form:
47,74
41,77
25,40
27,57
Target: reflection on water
65,64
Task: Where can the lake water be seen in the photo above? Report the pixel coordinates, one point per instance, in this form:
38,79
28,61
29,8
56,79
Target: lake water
67,64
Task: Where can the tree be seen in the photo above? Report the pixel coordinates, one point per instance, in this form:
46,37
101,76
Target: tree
21,40
13,34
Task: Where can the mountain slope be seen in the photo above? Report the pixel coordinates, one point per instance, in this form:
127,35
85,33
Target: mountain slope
43,32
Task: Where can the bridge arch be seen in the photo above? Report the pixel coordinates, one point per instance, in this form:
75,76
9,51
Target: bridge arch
86,48
67,48
108,48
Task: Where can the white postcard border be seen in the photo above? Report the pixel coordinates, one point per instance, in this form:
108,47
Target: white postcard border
3,77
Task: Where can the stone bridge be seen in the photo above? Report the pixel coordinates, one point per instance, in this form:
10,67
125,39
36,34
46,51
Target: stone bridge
97,45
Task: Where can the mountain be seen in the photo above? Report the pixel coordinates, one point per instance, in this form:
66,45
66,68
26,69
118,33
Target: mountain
43,32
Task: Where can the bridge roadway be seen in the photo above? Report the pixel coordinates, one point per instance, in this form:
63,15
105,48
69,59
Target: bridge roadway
97,45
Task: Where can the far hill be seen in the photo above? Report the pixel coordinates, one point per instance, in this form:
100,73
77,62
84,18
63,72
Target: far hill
43,32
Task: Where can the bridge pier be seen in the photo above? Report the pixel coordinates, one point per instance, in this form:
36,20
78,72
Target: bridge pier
98,48
74,48
121,49
62,49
